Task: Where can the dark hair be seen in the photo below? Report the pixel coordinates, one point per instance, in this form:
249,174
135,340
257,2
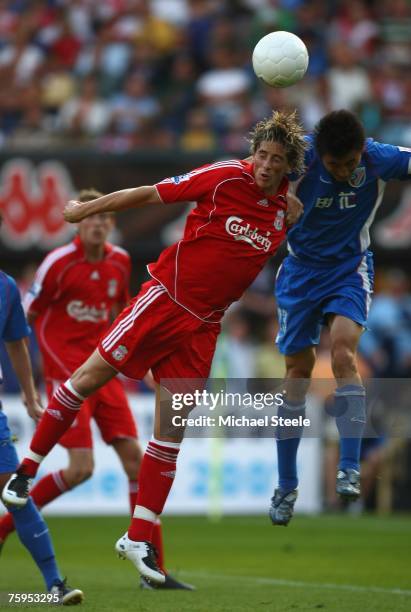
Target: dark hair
339,133
85,195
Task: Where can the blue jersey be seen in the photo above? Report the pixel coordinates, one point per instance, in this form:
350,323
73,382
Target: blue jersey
13,324
337,215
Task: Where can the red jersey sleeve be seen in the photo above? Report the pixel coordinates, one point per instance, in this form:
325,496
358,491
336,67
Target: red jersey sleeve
198,183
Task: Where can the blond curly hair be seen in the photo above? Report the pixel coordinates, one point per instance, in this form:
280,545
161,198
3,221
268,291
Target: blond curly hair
282,127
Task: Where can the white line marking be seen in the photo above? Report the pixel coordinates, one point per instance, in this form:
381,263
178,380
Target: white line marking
300,584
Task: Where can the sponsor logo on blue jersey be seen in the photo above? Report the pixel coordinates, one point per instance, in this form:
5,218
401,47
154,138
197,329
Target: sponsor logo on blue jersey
358,177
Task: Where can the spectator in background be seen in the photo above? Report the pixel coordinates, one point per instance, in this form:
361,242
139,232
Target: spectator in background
202,17
58,85
67,45
133,107
151,28
223,88
354,26
20,58
395,30
10,110
348,82
86,114
108,55
197,134
177,92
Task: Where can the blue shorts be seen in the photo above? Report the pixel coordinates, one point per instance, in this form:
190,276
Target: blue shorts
8,456
305,295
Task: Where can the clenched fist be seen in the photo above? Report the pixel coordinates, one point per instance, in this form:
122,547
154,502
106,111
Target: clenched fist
74,211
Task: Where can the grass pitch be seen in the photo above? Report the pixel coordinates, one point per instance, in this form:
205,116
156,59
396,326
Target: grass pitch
242,563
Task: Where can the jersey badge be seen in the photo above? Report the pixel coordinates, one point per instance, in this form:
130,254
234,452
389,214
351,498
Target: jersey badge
120,352
279,220
112,287
357,178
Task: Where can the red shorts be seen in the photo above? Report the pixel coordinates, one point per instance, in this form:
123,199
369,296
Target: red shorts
155,333
110,409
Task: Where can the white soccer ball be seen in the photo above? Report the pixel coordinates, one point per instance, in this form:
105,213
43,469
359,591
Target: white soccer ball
280,59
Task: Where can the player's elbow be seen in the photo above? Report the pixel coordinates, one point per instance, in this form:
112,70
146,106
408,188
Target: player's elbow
142,196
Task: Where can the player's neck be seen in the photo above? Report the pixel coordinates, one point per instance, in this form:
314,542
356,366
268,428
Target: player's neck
94,252
273,189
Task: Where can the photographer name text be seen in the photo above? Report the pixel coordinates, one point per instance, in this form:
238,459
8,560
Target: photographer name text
239,421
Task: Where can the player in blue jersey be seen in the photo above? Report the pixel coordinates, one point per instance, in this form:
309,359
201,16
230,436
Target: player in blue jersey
327,279
31,527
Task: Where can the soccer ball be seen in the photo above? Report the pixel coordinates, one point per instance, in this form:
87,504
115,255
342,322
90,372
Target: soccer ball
280,59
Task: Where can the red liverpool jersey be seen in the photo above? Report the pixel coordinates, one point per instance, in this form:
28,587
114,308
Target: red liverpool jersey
227,240
73,299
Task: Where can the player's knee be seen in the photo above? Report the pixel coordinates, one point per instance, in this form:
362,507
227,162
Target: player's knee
299,370
131,455
132,468
132,463
300,365
343,360
85,380
79,475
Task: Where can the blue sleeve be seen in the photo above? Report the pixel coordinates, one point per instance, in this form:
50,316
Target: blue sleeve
308,158
390,162
16,325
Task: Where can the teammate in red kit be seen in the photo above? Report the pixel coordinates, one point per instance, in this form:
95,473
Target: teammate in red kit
76,292
172,325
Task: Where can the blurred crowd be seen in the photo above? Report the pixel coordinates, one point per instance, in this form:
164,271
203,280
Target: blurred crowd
123,74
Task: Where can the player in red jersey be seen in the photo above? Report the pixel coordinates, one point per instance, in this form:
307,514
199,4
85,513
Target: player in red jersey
76,292
172,325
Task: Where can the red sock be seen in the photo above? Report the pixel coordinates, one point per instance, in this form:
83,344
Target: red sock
157,536
61,411
47,489
132,494
155,479
6,526
157,540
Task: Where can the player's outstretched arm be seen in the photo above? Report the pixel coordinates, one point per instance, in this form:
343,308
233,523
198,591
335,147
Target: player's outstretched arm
112,202
20,360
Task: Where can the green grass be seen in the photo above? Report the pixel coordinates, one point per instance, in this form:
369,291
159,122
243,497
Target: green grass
329,562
